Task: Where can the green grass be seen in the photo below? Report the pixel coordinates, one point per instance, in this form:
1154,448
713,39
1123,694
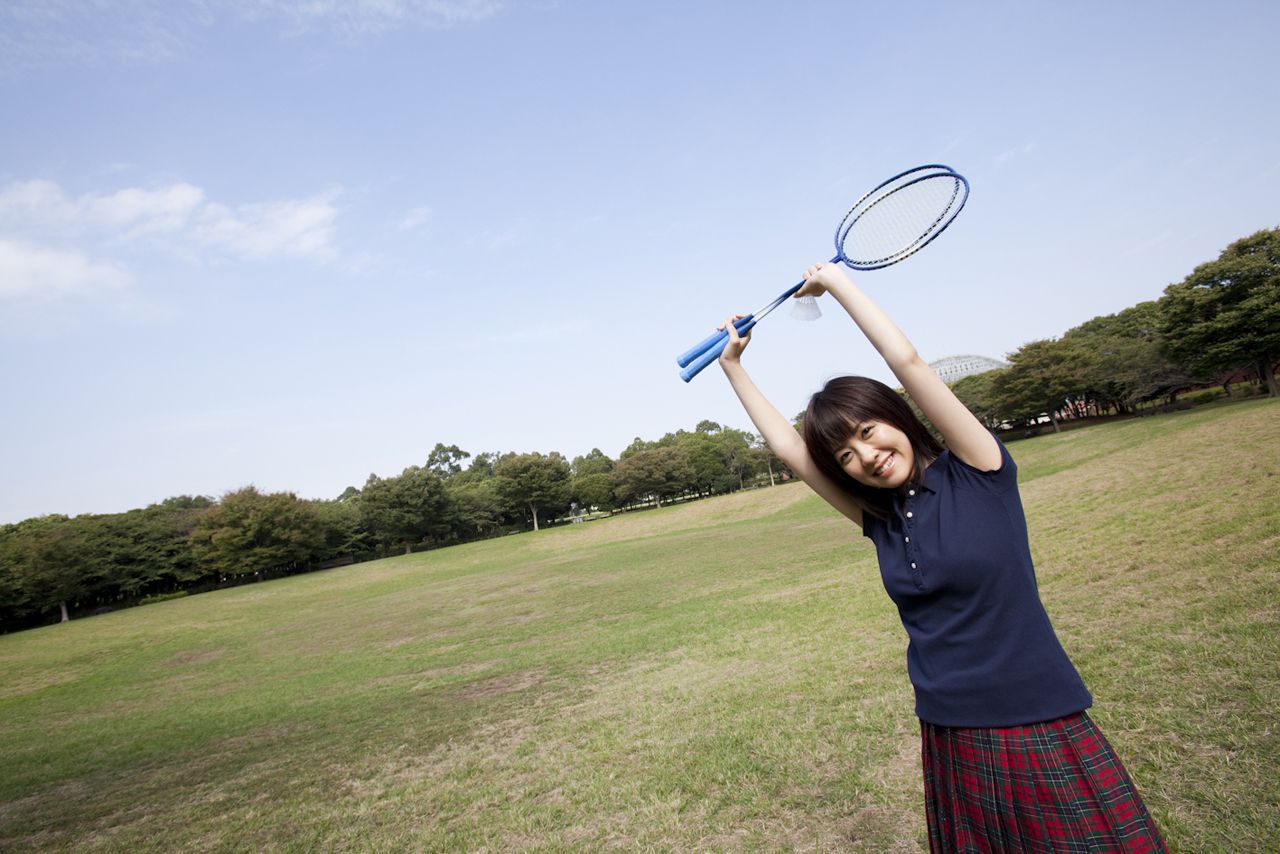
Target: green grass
723,675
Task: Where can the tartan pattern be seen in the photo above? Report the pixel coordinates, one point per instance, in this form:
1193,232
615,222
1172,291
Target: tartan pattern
1050,787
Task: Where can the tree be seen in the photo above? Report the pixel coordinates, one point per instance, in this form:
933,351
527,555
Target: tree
1124,358
764,457
446,460
342,527
637,444
145,551
735,446
535,481
977,394
482,464
592,481
593,490
1039,379
594,462
660,472
475,508
708,466
250,533
1226,314
49,562
405,509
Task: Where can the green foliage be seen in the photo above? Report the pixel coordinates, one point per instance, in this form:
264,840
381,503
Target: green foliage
1124,358
595,462
536,481
594,490
47,564
475,509
1226,314
406,509
482,464
251,533
661,472
1040,377
977,393
343,527
446,460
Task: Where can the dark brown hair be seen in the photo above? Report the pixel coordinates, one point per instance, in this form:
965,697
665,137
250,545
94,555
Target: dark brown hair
835,413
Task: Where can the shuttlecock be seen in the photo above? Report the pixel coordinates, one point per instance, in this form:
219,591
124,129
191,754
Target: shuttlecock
806,308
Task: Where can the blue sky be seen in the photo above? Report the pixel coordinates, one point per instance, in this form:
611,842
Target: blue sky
293,243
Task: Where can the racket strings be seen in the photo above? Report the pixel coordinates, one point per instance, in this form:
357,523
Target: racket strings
898,220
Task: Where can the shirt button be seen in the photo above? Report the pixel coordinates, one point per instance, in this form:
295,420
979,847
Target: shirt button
908,539
911,492
913,566
910,514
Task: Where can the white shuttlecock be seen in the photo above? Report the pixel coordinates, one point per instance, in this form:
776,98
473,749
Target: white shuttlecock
806,308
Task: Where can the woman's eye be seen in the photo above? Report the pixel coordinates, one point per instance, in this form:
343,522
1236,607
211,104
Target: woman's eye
866,431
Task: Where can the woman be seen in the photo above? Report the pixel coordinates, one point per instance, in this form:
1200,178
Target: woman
1012,762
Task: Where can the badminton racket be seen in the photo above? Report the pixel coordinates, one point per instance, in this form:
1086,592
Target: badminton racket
894,221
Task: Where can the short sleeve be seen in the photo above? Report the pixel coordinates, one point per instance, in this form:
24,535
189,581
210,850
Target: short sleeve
868,523
999,480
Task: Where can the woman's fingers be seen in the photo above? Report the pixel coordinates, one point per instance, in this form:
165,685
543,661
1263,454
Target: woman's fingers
736,343
729,325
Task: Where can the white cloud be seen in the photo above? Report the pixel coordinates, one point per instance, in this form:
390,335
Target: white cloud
166,209
177,213
415,218
301,228
35,271
45,33
129,211
175,218
369,16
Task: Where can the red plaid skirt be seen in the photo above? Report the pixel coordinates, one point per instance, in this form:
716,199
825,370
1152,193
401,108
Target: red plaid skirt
1050,787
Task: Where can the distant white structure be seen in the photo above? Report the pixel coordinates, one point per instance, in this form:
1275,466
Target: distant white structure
952,368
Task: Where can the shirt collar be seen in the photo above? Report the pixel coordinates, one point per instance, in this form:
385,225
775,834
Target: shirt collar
932,478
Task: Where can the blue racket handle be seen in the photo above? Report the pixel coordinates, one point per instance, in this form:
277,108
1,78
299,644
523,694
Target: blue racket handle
710,341
713,352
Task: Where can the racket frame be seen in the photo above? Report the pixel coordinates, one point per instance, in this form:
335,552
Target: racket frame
709,349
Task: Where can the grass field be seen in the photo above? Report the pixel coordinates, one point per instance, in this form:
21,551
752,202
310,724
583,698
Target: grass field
723,675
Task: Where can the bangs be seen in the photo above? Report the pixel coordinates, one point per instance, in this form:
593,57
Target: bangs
827,427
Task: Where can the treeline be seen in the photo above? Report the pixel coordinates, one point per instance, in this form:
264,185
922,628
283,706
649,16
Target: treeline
1222,322
54,566
1218,326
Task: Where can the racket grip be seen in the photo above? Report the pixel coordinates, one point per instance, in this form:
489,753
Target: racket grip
710,341
708,356
713,352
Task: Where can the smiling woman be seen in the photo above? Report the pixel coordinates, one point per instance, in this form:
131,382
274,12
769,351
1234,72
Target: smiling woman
867,433
1012,761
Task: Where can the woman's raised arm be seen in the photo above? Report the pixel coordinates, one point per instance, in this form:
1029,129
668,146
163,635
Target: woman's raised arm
777,431
963,433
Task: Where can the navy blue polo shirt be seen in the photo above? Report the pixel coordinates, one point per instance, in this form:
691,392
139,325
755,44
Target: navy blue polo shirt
954,558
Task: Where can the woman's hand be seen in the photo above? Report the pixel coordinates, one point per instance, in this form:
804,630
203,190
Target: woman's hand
820,278
732,351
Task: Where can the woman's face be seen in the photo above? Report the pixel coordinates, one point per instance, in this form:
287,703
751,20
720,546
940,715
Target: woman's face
877,454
